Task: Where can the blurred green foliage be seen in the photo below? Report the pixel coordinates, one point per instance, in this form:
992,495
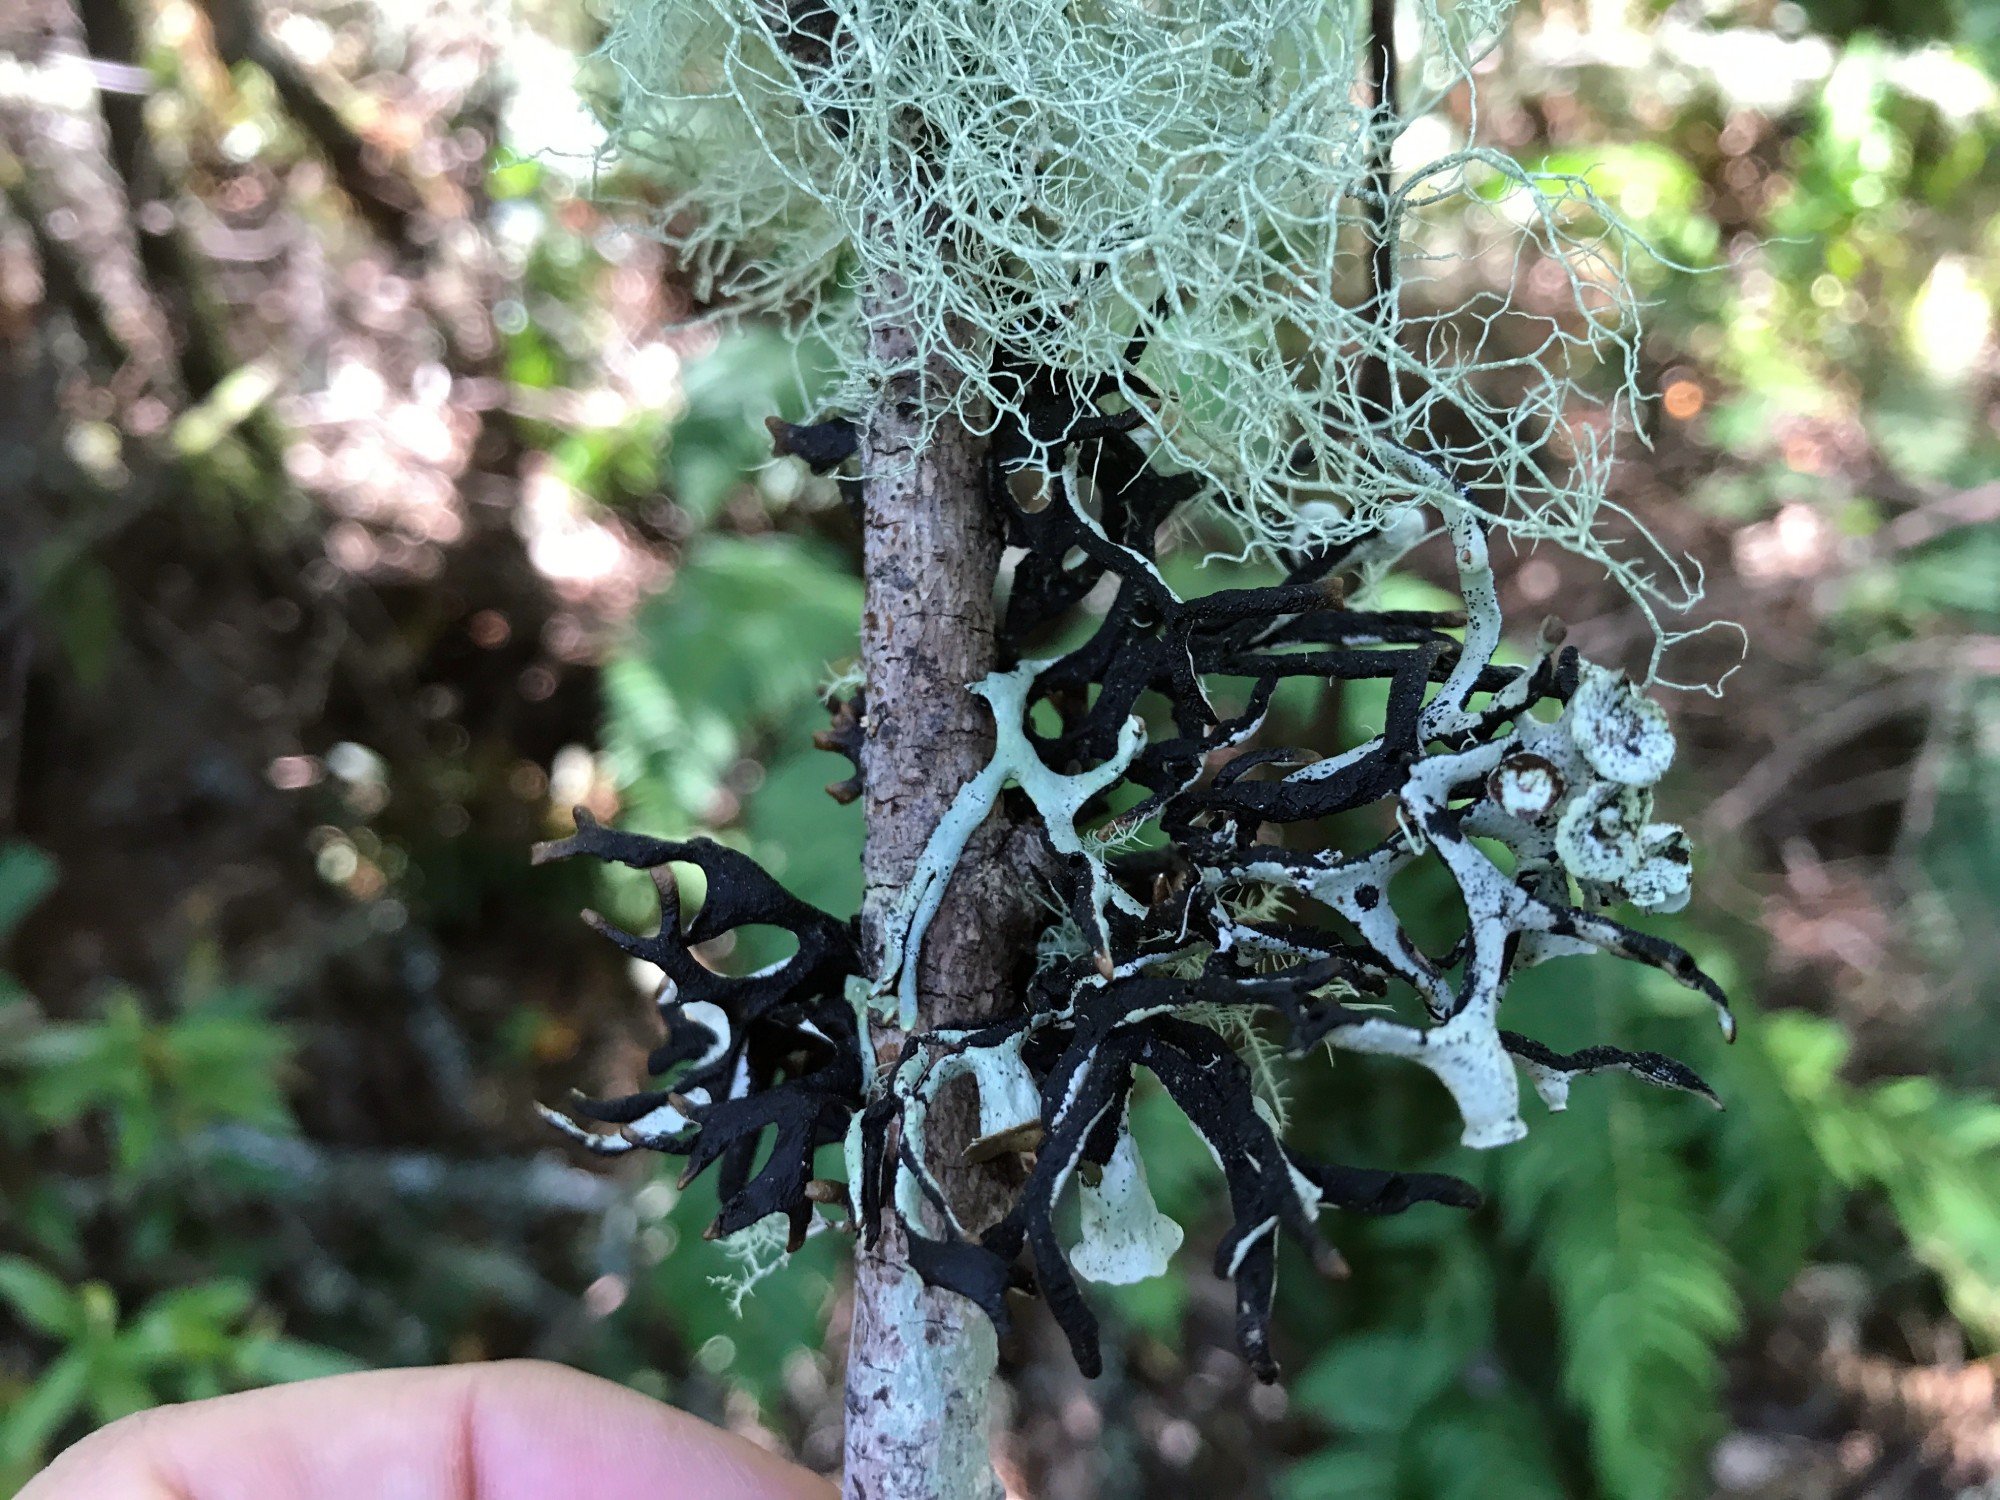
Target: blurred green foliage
148,1085
181,1346
1568,1340
153,1082
1640,1232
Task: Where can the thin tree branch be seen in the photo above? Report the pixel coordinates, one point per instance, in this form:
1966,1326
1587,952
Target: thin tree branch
1380,63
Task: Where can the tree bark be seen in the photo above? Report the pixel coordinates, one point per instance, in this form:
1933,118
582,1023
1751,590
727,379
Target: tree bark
920,1362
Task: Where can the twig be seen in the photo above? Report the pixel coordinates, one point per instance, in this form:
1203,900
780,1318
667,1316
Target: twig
1377,380
1768,779
386,200
537,1187
1974,507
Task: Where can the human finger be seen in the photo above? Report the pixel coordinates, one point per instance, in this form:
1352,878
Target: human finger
509,1431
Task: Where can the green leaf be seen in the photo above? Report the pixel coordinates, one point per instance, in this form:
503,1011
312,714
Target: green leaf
82,600
28,1425
119,1387
48,1221
73,1068
26,876
512,176
227,1067
1376,1382
42,1301
197,1322
268,1359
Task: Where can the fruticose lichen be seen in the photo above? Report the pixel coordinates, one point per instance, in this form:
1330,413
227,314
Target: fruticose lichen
1159,957
1163,250
1033,185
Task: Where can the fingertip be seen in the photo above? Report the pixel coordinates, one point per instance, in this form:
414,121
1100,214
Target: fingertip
515,1430
107,1463
540,1429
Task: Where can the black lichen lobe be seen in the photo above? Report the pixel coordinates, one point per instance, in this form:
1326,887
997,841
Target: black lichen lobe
1146,948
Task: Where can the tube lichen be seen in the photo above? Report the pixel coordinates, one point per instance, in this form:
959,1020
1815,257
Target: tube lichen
1168,951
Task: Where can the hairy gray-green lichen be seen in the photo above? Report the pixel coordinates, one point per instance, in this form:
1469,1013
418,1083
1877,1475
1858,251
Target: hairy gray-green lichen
1032,185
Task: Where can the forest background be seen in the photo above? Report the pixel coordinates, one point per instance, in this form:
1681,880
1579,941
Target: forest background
366,503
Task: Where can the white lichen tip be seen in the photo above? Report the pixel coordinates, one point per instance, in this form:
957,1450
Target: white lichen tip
1125,1237
1621,732
590,1140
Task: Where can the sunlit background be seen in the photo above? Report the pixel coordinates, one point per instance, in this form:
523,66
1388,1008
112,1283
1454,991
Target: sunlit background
362,511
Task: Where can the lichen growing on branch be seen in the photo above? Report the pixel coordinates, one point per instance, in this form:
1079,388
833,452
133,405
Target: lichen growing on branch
1035,184
1160,955
1137,238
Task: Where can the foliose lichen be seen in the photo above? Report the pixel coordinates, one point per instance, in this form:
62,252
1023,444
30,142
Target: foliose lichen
1159,957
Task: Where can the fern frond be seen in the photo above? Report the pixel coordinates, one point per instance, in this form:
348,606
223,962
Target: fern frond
1641,1286
1928,1151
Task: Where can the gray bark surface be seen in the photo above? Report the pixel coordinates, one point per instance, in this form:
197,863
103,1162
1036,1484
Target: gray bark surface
920,1361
